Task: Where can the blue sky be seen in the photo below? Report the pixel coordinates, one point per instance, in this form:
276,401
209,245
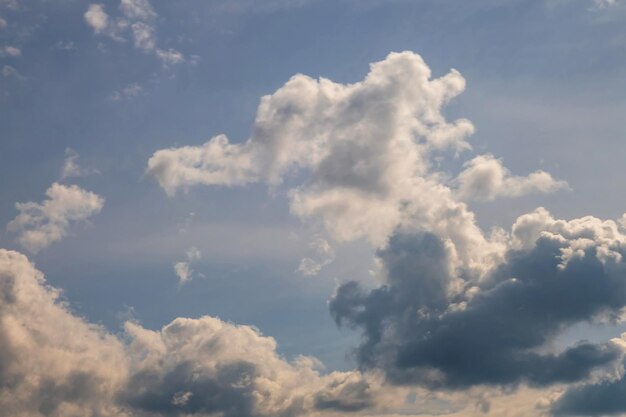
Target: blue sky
152,219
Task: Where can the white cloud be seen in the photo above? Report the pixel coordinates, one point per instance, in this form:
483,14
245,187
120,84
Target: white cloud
363,153
604,4
53,363
170,56
485,178
39,225
71,168
128,92
323,254
11,51
3,23
138,18
183,269
143,36
97,18
138,9
59,365
606,237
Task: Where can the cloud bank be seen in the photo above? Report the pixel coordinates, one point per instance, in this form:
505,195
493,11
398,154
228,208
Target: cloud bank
55,364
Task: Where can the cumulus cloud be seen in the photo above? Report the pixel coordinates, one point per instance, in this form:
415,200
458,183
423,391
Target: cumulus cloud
97,18
604,397
437,326
137,19
55,364
485,178
52,363
364,155
40,224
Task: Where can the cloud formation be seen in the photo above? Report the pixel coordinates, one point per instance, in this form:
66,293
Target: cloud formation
363,152
438,326
55,364
137,19
40,224
485,178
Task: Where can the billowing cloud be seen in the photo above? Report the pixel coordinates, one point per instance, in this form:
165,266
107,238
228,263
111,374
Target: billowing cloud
485,178
40,224
363,152
55,364
138,19
600,398
438,326
52,363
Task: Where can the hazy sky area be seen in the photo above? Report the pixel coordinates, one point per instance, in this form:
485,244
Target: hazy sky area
316,208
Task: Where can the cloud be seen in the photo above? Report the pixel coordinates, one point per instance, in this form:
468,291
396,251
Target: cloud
604,397
71,168
138,9
39,225
11,51
97,18
183,268
137,18
324,254
3,23
52,363
9,71
362,154
438,326
128,92
485,178
604,4
55,364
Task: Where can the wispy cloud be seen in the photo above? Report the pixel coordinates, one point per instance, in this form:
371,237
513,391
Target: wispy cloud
137,20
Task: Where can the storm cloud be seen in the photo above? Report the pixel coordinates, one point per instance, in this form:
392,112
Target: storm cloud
437,326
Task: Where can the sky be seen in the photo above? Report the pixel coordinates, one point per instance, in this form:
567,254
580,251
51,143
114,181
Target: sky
312,208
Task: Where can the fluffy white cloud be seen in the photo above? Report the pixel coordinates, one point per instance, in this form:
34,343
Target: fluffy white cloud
485,178
52,363
55,364
364,155
39,225
97,18
607,238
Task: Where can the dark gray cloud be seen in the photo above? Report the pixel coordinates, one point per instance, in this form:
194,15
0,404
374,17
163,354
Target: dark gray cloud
602,398
418,331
